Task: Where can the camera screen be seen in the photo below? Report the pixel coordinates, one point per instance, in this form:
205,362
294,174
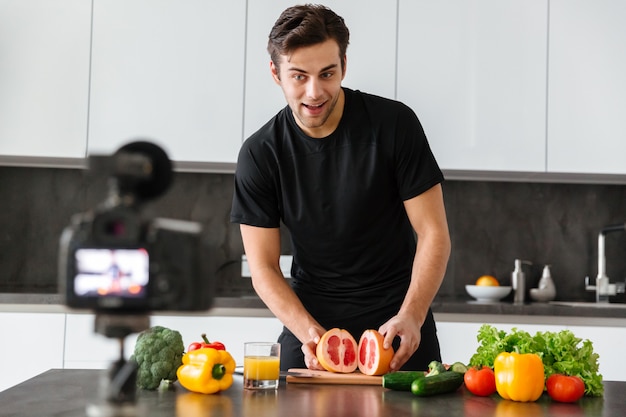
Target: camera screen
111,272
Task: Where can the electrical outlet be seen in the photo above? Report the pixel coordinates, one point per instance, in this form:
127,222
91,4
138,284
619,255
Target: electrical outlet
285,266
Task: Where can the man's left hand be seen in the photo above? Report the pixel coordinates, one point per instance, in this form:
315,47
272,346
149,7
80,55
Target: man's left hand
408,330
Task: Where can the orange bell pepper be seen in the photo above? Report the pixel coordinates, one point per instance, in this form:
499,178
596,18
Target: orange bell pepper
519,377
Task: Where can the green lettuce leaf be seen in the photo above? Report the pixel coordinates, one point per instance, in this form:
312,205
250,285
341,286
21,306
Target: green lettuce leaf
561,352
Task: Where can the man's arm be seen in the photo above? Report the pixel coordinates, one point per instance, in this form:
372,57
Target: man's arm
262,247
427,215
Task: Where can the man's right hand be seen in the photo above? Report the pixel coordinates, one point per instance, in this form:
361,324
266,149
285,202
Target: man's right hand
309,347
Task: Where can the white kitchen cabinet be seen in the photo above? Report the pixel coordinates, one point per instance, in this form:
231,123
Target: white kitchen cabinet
31,344
44,77
474,71
458,341
170,71
587,87
371,54
232,331
607,343
85,349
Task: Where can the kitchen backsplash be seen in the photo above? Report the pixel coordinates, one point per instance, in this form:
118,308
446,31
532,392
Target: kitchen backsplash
491,224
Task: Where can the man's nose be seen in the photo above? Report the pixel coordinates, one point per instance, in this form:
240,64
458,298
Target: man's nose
314,88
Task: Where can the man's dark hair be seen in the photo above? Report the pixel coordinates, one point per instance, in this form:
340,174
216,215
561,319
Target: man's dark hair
307,25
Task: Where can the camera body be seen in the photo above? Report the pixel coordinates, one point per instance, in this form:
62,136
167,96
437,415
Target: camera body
114,259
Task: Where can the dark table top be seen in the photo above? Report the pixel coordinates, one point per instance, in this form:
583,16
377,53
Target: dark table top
69,392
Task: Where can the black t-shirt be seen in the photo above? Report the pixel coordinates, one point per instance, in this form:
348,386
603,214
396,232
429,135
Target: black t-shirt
341,198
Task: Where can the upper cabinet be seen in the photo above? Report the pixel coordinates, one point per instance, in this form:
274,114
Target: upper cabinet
532,87
587,87
371,54
474,71
44,77
170,71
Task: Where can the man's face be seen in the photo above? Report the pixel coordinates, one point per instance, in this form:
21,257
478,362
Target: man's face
310,78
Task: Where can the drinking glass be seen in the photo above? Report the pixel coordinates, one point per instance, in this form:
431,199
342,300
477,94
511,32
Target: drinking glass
261,365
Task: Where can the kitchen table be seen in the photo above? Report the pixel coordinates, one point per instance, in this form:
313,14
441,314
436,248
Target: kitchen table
68,393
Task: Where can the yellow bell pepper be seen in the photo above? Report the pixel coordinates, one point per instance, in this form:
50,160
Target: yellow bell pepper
206,370
519,377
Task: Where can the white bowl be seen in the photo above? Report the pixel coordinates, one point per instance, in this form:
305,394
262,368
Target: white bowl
487,293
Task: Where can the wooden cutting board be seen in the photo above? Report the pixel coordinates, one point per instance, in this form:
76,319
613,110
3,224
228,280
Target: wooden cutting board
325,377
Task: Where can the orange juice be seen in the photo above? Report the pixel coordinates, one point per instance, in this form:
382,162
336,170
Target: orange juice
261,367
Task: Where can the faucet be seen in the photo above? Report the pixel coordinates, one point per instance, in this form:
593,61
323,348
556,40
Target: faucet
603,287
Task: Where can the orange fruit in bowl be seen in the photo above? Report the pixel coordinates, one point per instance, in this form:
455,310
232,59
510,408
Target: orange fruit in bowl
373,358
336,351
487,281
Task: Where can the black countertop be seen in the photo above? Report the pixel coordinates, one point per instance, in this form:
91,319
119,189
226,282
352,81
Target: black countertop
69,393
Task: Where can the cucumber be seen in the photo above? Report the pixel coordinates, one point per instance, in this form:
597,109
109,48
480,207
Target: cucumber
458,367
401,380
437,384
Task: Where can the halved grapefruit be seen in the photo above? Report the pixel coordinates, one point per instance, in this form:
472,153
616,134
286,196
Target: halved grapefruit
336,351
373,358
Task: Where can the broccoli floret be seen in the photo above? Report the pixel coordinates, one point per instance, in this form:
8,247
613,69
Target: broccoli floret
158,353
435,368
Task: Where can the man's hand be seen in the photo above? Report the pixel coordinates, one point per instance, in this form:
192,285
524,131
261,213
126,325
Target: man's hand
309,347
409,331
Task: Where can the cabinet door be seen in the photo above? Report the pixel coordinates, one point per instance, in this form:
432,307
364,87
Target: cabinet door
458,340
44,77
371,53
587,87
170,71
611,354
85,349
31,344
232,331
474,71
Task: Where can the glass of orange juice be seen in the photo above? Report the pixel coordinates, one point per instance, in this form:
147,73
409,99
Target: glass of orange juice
261,365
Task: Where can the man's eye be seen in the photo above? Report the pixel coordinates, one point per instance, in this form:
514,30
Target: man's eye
327,75
298,77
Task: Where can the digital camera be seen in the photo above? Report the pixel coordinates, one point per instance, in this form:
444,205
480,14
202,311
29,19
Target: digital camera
115,259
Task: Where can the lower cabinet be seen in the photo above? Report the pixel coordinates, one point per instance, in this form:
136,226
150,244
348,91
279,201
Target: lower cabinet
458,342
86,349
31,344
36,342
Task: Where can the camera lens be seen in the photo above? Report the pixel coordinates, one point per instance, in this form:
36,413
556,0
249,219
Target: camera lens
115,228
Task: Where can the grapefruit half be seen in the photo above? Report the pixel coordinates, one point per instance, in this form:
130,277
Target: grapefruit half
336,351
373,358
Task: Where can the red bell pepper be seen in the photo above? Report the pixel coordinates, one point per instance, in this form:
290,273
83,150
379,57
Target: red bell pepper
205,344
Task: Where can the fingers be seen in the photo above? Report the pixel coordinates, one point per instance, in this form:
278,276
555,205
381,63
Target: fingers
315,334
399,358
308,348
410,338
310,358
390,332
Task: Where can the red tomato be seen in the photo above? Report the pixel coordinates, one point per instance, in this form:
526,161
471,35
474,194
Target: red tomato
565,389
481,382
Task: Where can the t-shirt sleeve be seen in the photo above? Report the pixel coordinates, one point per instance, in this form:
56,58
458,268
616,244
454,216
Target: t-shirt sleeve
255,197
416,168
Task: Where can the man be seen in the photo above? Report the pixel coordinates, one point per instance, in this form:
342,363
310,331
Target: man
353,179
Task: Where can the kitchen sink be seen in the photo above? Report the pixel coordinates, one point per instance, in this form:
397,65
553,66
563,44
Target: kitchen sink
588,304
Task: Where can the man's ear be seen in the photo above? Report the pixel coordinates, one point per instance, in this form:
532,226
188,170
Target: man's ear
345,66
275,72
